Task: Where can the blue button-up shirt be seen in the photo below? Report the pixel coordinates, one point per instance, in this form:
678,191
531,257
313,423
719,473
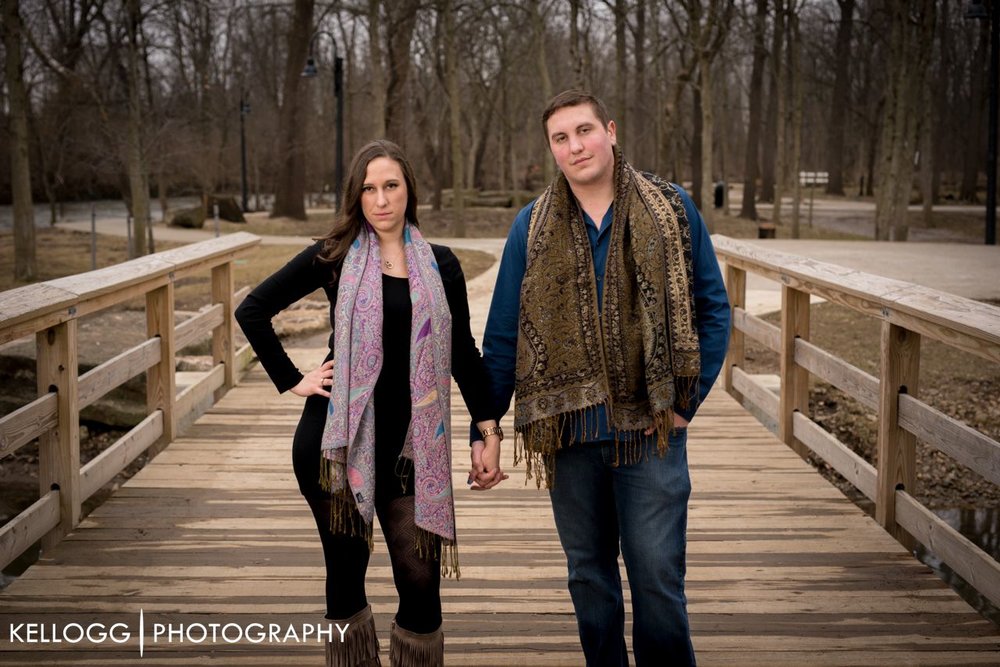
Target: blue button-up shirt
500,341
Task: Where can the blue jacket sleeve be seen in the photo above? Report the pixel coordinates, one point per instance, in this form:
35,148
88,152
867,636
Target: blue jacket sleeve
711,305
500,339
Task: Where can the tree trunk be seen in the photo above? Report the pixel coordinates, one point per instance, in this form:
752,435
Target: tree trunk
749,207
780,150
20,169
575,55
973,155
927,166
640,129
696,147
455,118
707,127
137,180
545,92
912,30
839,101
289,195
771,121
377,72
621,76
795,76
399,33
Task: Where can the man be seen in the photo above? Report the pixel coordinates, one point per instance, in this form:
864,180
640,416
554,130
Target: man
610,320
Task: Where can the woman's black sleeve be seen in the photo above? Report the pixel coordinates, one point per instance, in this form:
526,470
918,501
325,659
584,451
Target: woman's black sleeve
301,276
466,361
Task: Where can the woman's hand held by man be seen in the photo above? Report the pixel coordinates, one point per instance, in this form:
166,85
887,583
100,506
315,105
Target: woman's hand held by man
486,472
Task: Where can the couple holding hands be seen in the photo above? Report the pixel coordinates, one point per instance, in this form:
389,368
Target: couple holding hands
608,325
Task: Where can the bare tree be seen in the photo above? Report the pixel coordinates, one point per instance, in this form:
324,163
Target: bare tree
289,195
448,10
839,102
795,81
402,18
377,71
20,169
137,175
750,164
912,30
773,114
707,30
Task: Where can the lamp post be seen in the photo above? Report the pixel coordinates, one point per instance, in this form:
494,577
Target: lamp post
244,110
338,93
976,9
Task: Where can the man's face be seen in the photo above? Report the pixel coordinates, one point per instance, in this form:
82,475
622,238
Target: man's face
581,146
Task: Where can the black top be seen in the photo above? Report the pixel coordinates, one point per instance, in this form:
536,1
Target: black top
304,274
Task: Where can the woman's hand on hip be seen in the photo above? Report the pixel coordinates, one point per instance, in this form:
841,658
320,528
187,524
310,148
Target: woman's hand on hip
316,381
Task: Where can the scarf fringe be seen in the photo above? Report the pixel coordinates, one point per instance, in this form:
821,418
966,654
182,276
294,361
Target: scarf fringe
431,546
345,519
537,442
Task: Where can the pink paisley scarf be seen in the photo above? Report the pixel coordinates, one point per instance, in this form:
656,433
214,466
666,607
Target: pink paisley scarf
348,443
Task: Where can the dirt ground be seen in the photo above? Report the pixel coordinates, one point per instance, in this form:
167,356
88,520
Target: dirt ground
956,383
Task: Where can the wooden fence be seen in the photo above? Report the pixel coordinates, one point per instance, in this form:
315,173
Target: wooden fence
908,312
50,311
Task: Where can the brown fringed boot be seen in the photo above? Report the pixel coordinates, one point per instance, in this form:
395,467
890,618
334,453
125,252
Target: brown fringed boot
409,649
360,645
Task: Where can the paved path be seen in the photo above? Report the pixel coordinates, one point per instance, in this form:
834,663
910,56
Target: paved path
964,269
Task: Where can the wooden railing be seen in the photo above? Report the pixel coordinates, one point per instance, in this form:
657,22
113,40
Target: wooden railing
908,312
50,311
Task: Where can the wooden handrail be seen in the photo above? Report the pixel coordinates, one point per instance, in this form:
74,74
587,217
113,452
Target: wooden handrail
908,312
50,312
962,323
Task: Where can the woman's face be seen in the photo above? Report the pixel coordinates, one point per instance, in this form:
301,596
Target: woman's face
383,197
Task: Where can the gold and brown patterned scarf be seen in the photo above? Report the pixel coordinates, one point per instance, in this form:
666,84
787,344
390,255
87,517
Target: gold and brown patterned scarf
638,355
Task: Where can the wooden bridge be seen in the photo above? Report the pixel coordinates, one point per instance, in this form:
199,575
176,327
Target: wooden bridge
213,536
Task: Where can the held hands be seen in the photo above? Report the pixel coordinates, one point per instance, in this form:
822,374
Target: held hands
316,381
486,472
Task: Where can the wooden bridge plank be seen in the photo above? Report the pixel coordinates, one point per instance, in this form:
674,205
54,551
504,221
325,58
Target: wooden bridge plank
782,569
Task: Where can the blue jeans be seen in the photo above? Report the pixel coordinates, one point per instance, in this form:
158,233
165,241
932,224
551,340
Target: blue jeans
642,507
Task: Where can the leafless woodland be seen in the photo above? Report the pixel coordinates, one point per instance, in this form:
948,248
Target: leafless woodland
140,99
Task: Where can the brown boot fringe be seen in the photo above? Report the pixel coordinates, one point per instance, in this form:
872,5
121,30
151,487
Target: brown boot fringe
360,646
409,649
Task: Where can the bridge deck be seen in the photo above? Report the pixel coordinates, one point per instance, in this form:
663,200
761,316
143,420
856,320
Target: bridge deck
782,568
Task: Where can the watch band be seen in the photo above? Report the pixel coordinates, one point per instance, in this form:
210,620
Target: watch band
491,430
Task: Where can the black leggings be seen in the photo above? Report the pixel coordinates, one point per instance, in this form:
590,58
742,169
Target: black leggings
418,580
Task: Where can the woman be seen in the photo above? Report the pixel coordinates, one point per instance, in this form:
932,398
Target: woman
374,437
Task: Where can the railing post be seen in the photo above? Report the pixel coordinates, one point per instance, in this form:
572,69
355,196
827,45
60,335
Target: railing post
161,389
59,448
736,287
223,345
794,379
900,364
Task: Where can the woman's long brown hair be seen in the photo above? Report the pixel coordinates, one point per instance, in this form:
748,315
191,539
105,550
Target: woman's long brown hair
351,217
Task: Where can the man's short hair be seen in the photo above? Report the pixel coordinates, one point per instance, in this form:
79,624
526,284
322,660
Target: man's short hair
571,98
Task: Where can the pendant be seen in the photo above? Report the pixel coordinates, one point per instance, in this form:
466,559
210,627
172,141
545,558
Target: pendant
387,263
